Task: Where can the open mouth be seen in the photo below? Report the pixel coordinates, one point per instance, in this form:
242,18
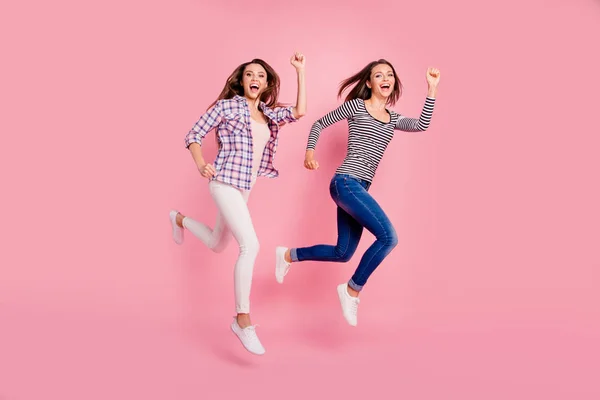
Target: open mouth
254,88
385,86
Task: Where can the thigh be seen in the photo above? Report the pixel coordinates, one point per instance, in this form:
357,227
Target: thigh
221,233
233,211
349,231
354,199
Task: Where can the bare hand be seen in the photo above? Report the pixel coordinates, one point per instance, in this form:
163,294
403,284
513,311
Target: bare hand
207,171
298,61
433,77
311,164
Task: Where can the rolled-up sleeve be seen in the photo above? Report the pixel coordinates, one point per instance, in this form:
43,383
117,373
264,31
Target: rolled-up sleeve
207,122
284,114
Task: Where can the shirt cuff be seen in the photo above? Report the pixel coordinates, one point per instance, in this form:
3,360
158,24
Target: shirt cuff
291,111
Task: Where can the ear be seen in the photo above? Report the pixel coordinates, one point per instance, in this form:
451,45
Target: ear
369,84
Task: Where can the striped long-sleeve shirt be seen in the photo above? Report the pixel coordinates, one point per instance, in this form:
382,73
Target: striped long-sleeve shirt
367,137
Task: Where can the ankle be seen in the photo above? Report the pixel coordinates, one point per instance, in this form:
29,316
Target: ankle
288,256
243,320
179,220
352,292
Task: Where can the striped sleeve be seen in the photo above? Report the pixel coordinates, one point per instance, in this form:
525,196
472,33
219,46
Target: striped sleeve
416,125
345,111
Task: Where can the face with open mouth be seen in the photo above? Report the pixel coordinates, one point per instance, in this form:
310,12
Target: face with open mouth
382,81
254,81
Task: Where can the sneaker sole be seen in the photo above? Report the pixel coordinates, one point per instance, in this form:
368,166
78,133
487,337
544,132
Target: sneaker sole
277,278
174,226
247,349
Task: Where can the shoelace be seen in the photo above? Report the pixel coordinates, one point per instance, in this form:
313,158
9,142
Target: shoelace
354,307
284,266
250,332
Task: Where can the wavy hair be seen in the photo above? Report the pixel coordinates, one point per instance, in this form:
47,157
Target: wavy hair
233,85
362,91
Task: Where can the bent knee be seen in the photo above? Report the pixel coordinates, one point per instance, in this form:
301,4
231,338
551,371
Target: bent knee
218,249
218,246
343,255
250,246
390,239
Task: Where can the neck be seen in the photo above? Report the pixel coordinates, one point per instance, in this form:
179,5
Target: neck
377,102
253,103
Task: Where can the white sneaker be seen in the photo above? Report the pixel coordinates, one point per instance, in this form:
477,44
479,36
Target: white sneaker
349,304
282,267
248,338
177,230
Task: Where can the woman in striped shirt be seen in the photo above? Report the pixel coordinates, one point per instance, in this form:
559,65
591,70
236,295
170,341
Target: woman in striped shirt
371,126
247,119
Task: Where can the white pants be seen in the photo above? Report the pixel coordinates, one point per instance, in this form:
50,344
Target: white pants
233,219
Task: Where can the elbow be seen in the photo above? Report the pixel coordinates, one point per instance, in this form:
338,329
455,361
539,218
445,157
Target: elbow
299,112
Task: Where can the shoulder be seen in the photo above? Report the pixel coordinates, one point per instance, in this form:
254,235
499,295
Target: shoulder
355,106
231,106
355,103
268,110
233,102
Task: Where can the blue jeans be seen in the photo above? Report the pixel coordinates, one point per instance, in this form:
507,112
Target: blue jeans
356,210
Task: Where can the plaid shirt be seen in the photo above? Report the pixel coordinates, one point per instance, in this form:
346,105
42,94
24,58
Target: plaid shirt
231,117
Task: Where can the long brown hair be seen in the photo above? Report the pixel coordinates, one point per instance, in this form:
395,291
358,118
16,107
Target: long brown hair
233,85
362,91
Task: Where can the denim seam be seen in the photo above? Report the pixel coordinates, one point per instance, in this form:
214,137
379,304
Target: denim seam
377,219
348,239
364,205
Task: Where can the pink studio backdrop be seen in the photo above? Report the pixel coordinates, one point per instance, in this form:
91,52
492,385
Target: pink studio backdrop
492,292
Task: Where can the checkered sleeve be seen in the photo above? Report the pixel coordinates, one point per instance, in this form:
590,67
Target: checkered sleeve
207,122
284,115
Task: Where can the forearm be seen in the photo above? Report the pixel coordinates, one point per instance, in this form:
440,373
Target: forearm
313,136
300,109
344,111
432,92
196,151
422,123
427,113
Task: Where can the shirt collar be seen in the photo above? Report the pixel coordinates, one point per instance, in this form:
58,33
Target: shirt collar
266,110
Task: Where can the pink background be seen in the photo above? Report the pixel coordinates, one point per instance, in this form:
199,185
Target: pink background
493,292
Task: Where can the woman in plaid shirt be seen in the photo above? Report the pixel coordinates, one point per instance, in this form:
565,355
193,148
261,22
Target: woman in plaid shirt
246,118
